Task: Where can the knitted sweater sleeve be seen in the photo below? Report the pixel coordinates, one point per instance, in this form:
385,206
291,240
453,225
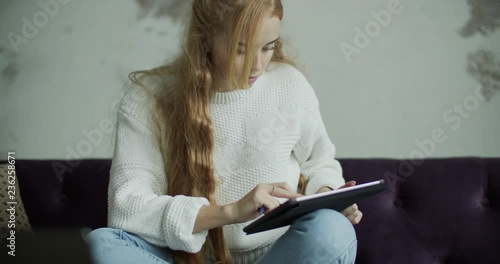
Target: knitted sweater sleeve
314,151
137,199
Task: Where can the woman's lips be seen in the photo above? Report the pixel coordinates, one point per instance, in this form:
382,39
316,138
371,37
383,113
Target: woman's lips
252,79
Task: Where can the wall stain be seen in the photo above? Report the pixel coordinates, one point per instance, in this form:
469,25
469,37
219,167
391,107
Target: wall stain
484,18
10,72
482,64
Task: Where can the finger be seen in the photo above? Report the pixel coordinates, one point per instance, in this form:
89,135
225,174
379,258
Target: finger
270,204
283,185
355,218
348,184
283,193
360,216
352,216
350,210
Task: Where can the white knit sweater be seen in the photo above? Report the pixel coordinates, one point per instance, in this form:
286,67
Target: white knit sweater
271,132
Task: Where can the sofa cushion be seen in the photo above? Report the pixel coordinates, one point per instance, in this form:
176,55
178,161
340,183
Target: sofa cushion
492,198
439,211
70,192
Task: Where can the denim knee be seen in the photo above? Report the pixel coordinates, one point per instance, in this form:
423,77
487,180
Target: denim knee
102,239
328,229
103,233
322,236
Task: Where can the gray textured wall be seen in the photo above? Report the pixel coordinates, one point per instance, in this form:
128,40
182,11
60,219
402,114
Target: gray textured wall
401,88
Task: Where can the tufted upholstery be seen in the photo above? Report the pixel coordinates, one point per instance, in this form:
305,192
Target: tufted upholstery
444,211
77,197
436,211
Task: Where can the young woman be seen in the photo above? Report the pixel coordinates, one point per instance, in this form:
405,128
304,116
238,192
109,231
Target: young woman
227,126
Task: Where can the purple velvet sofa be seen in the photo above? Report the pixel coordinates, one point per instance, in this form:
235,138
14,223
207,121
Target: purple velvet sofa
435,211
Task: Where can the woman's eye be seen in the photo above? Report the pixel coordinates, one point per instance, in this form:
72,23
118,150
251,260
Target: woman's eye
242,51
269,48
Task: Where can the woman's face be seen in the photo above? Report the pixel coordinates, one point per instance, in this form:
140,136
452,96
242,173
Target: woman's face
265,43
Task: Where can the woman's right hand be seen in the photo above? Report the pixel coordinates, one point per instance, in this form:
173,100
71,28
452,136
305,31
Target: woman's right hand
247,208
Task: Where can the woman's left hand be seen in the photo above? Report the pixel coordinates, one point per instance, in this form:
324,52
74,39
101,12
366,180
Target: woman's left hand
352,212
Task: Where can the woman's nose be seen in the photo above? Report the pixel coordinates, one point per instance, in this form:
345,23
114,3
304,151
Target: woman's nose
257,63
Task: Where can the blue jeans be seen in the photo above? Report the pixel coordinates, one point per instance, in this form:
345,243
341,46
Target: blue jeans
323,236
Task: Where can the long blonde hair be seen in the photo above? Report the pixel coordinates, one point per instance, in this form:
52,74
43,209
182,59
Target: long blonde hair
183,101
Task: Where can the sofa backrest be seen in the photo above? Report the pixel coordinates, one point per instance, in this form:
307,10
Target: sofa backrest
436,211
67,193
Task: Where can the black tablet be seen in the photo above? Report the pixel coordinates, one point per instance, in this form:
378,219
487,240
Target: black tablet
338,200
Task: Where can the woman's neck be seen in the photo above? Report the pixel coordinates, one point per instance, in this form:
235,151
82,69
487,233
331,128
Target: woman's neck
222,85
